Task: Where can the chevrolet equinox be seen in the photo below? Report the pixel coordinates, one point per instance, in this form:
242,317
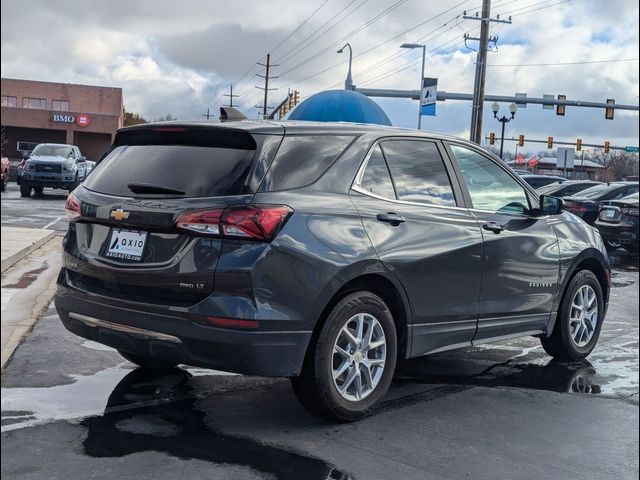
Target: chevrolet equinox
322,252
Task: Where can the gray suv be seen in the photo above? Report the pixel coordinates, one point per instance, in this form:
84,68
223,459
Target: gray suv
322,252
52,165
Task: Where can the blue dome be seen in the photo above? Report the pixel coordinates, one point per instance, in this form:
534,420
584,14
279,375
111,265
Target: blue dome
340,106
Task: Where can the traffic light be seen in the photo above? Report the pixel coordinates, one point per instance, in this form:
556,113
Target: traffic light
607,146
608,112
560,108
492,138
578,144
521,140
549,142
296,97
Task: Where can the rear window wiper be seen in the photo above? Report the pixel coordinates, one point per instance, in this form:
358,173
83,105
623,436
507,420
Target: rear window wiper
150,188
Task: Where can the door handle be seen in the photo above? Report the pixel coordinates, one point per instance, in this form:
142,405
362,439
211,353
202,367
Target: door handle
391,218
493,227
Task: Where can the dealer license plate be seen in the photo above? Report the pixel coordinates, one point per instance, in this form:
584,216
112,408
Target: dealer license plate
126,244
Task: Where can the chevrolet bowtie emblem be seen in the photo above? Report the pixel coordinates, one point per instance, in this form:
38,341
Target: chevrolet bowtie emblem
119,214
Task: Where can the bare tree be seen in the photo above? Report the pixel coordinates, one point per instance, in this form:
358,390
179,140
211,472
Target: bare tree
617,165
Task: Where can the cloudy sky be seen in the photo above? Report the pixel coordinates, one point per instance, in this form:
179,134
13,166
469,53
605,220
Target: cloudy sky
180,57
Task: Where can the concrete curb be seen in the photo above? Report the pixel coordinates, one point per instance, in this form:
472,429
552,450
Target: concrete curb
14,258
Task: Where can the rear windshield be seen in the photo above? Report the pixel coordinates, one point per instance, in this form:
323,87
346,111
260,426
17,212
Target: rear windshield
199,164
597,191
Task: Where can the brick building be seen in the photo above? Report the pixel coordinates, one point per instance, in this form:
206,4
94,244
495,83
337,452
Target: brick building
46,112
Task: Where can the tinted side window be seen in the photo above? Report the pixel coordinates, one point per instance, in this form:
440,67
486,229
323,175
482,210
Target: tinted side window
418,172
302,159
490,187
376,178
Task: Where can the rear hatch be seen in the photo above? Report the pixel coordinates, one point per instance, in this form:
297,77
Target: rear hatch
124,239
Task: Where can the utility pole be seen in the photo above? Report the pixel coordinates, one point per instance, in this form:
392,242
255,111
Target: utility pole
230,95
481,67
266,88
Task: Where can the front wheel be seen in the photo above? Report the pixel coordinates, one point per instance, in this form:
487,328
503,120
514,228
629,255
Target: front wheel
25,190
351,366
147,362
579,320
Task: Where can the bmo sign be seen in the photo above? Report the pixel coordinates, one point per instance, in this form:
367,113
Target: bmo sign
82,120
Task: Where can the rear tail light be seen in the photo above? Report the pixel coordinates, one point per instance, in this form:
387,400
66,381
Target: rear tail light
253,222
72,208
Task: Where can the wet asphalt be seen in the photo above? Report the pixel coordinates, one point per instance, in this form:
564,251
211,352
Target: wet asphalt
37,211
75,409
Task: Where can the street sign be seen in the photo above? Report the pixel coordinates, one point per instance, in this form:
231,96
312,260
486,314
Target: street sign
429,94
565,158
631,149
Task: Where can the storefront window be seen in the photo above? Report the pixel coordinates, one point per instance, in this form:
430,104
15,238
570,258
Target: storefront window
9,101
60,106
36,103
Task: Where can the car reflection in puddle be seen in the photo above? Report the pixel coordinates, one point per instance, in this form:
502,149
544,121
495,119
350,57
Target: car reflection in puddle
157,411
556,376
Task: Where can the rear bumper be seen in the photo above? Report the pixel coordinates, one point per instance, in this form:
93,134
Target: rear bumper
625,235
173,336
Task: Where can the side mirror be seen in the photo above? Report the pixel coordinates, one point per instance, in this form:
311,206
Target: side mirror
82,159
550,205
25,156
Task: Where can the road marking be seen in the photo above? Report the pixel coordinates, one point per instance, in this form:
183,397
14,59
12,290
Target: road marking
55,221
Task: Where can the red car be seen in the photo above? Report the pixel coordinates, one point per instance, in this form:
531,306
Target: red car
5,173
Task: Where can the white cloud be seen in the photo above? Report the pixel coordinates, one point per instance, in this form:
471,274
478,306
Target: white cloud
180,57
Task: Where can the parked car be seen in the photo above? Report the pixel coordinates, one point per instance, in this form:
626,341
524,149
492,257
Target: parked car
4,173
586,204
321,252
618,223
20,170
89,166
567,188
52,165
537,181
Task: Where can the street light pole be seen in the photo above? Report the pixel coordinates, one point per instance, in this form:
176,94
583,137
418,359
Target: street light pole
348,83
420,87
503,120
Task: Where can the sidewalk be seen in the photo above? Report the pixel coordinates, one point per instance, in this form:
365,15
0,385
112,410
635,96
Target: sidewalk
18,242
34,256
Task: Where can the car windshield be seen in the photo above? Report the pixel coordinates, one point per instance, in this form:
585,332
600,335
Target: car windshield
597,191
53,151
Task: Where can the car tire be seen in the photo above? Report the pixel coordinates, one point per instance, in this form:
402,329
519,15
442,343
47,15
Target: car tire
147,362
25,190
3,184
566,342
316,388
38,190
73,186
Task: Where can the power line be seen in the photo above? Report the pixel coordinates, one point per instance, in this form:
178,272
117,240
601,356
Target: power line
559,64
299,26
349,35
286,56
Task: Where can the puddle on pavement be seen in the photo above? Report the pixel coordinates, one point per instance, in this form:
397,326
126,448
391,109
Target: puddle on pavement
28,278
152,411
607,373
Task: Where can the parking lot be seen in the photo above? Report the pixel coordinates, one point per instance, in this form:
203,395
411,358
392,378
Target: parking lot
75,409
38,211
